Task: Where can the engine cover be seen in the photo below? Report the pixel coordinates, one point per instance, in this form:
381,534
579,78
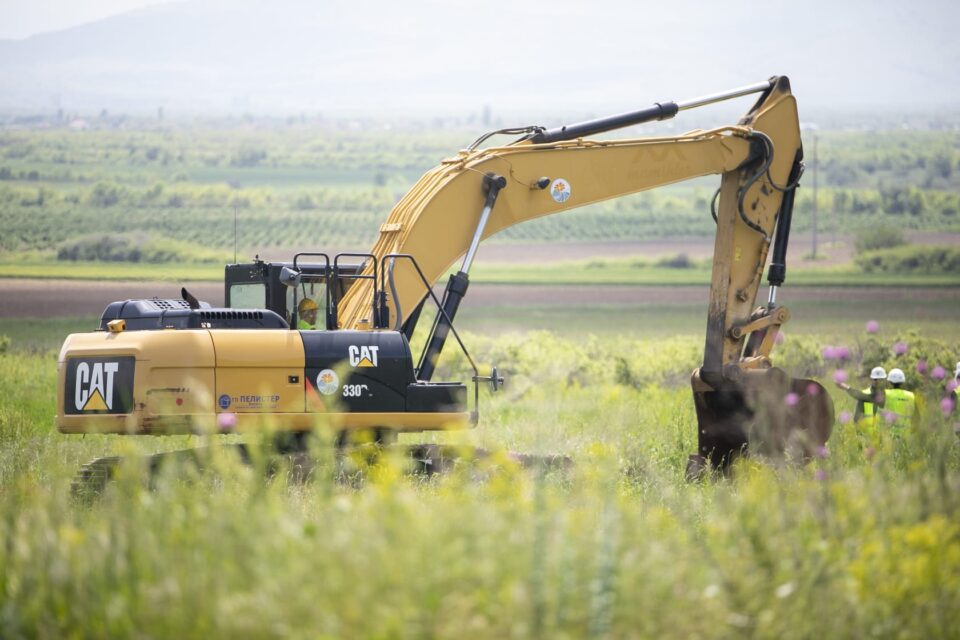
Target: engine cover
156,314
207,379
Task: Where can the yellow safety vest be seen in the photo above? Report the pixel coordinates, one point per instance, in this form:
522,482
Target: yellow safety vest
901,402
867,406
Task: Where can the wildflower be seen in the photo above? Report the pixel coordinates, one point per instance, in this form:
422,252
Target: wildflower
873,326
946,405
844,417
813,389
869,452
791,399
889,416
842,353
823,452
784,590
938,373
780,339
922,367
839,376
226,421
952,386
821,474
828,353
738,620
899,348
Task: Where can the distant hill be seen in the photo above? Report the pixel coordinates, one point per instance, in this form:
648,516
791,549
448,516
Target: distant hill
434,56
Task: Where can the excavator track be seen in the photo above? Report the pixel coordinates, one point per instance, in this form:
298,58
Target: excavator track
424,461
93,477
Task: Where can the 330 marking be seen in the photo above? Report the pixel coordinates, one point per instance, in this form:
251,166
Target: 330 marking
354,390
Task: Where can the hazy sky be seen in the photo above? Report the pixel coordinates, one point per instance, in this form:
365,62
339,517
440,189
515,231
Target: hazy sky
444,56
22,18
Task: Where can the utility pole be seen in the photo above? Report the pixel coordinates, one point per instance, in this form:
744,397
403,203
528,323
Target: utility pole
812,129
815,171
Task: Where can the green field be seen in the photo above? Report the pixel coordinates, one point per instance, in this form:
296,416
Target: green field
936,319
861,542
864,541
595,272
296,186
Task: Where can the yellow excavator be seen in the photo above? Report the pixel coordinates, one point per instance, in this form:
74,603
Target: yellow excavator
179,366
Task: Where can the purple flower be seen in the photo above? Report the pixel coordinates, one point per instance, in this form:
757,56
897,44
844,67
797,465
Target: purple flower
791,399
823,452
844,417
780,339
226,421
922,367
829,353
938,373
899,348
889,416
873,326
839,376
821,475
842,353
946,405
813,389
952,386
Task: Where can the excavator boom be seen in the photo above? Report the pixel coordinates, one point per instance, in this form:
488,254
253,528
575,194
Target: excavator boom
482,191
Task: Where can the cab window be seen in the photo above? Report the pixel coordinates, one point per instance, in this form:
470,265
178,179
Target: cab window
249,295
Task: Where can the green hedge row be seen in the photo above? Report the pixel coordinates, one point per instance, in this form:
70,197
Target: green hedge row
911,259
136,248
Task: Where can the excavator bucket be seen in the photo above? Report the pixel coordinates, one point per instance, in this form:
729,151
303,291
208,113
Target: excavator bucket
766,412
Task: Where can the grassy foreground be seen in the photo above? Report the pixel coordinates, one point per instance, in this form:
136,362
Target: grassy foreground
863,541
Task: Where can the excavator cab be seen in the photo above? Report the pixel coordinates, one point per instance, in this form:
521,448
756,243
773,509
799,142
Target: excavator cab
258,285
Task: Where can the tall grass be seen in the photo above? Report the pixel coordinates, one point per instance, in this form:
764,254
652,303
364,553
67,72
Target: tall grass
863,541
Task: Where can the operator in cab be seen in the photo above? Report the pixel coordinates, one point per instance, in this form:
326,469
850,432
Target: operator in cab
307,315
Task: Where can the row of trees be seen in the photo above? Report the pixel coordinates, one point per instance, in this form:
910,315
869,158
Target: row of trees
891,200
850,160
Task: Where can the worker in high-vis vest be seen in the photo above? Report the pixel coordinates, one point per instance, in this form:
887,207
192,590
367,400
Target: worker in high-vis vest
869,400
956,399
956,387
307,314
901,405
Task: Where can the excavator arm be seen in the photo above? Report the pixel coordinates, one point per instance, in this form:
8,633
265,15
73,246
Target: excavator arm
483,191
437,220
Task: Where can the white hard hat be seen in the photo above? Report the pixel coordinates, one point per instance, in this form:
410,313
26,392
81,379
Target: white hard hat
878,373
896,376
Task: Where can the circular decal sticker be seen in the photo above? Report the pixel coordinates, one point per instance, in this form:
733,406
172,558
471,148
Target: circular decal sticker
560,190
328,382
224,401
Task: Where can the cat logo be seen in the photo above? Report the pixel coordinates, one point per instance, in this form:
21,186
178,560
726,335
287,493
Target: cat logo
363,356
99,385
94,387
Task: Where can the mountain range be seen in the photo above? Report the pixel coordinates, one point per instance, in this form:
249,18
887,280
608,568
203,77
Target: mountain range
290,56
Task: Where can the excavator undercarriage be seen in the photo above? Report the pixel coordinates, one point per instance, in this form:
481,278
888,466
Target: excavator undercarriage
162,366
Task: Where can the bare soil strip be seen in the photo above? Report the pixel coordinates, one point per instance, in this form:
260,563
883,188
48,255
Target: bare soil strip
51,298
